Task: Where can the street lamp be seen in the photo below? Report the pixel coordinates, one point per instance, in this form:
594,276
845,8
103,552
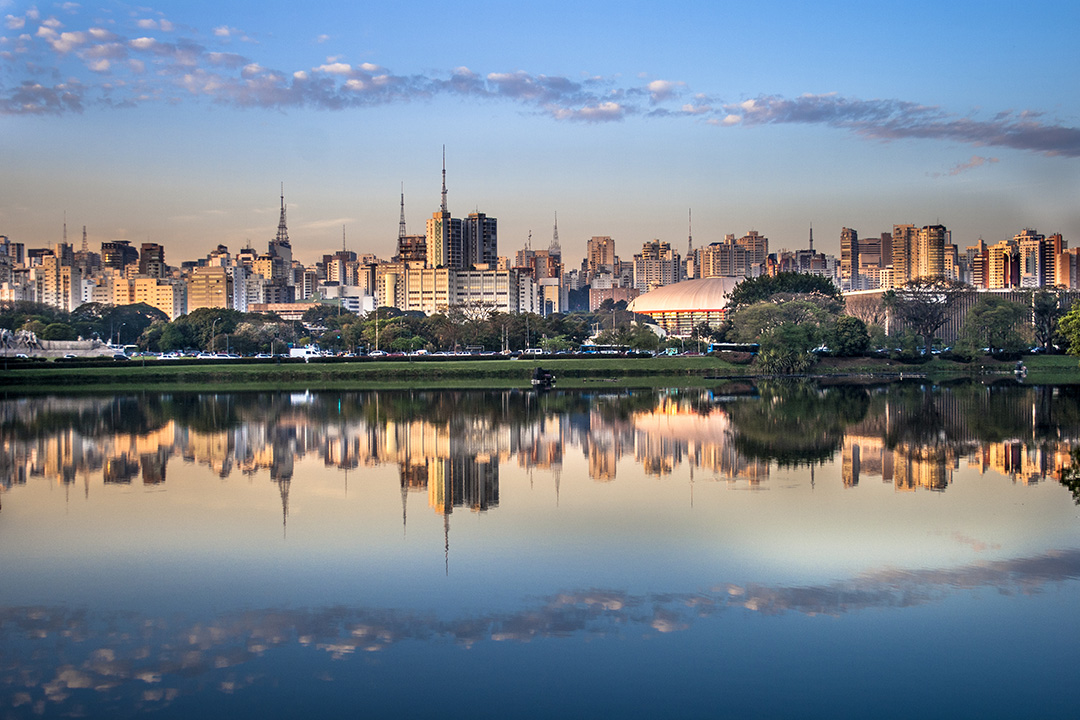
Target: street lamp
118,332
213,325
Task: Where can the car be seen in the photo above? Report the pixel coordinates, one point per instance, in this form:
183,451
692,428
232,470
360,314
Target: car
377,353
120,356
70,356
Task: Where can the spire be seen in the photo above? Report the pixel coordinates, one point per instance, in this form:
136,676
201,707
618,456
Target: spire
401,232
555,248
444,210
282,231
690,231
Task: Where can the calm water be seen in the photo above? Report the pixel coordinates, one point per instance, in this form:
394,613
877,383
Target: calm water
750,551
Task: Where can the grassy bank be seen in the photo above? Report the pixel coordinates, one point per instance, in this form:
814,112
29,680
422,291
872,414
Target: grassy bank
236,375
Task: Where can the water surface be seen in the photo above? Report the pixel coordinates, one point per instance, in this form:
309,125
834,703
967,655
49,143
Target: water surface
755,550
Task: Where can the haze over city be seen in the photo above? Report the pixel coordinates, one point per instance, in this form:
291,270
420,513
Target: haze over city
175,123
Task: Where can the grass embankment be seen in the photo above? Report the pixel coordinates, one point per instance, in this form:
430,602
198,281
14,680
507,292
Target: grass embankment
571,373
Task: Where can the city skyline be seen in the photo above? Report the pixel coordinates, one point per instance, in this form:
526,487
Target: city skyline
175,125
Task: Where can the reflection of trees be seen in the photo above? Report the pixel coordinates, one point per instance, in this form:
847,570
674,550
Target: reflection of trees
795,422
1070,478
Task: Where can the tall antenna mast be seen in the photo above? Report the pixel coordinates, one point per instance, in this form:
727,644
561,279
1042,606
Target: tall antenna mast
65,227
282,230
556,248
85,247
690,231
401,232
342,238
444,180
811,239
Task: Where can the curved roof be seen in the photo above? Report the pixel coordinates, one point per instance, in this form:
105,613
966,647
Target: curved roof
688,295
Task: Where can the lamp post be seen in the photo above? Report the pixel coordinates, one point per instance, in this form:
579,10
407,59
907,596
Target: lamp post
118,332
213,327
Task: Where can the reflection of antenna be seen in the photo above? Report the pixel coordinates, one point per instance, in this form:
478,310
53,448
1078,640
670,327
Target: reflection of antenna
283,488
404,504
446,541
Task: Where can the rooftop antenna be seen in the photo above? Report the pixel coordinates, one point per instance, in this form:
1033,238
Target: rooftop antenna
444,210
811,238
282,231
528,241
85,247
65,227
342,238
401,232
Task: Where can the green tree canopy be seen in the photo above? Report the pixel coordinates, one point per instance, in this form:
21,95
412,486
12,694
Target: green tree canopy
994,322
925,304
753,290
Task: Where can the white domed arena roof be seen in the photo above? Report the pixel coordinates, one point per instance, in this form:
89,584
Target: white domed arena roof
688,295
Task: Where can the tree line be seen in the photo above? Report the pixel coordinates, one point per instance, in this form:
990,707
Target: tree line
795,319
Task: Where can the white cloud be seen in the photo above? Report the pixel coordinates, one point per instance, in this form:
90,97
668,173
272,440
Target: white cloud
336,68
143,43
100,66
147,24
663,89
14,23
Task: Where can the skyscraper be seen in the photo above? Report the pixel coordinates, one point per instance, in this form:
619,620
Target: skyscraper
849,260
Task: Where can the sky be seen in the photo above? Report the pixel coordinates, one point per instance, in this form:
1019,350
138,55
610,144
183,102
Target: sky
179,122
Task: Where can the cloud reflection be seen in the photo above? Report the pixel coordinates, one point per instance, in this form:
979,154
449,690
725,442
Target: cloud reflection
53,659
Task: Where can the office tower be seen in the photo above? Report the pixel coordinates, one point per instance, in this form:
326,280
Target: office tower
444,234
117,254
481,241
849,260
930,252
904,254
152,260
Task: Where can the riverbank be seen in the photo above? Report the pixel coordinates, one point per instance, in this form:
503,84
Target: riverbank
629,372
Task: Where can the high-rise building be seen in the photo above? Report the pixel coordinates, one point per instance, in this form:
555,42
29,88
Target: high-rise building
280,247
656,266
930,252
904,254
117,254
600,255
849,260
152,260
481,241
210,287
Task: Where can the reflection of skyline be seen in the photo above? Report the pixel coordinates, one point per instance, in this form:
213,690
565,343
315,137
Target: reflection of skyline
145,663
449,446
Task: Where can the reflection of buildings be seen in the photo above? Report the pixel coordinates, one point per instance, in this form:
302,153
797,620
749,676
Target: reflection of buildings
907,466
449,446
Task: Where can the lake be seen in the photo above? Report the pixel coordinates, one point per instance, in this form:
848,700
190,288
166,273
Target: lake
758,549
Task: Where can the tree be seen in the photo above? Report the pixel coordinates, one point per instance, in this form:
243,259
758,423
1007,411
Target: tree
1045,313
1069,327
992,323
58,331
925,304
849,337
752,290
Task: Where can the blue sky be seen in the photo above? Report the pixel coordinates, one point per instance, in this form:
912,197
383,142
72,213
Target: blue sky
176,122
